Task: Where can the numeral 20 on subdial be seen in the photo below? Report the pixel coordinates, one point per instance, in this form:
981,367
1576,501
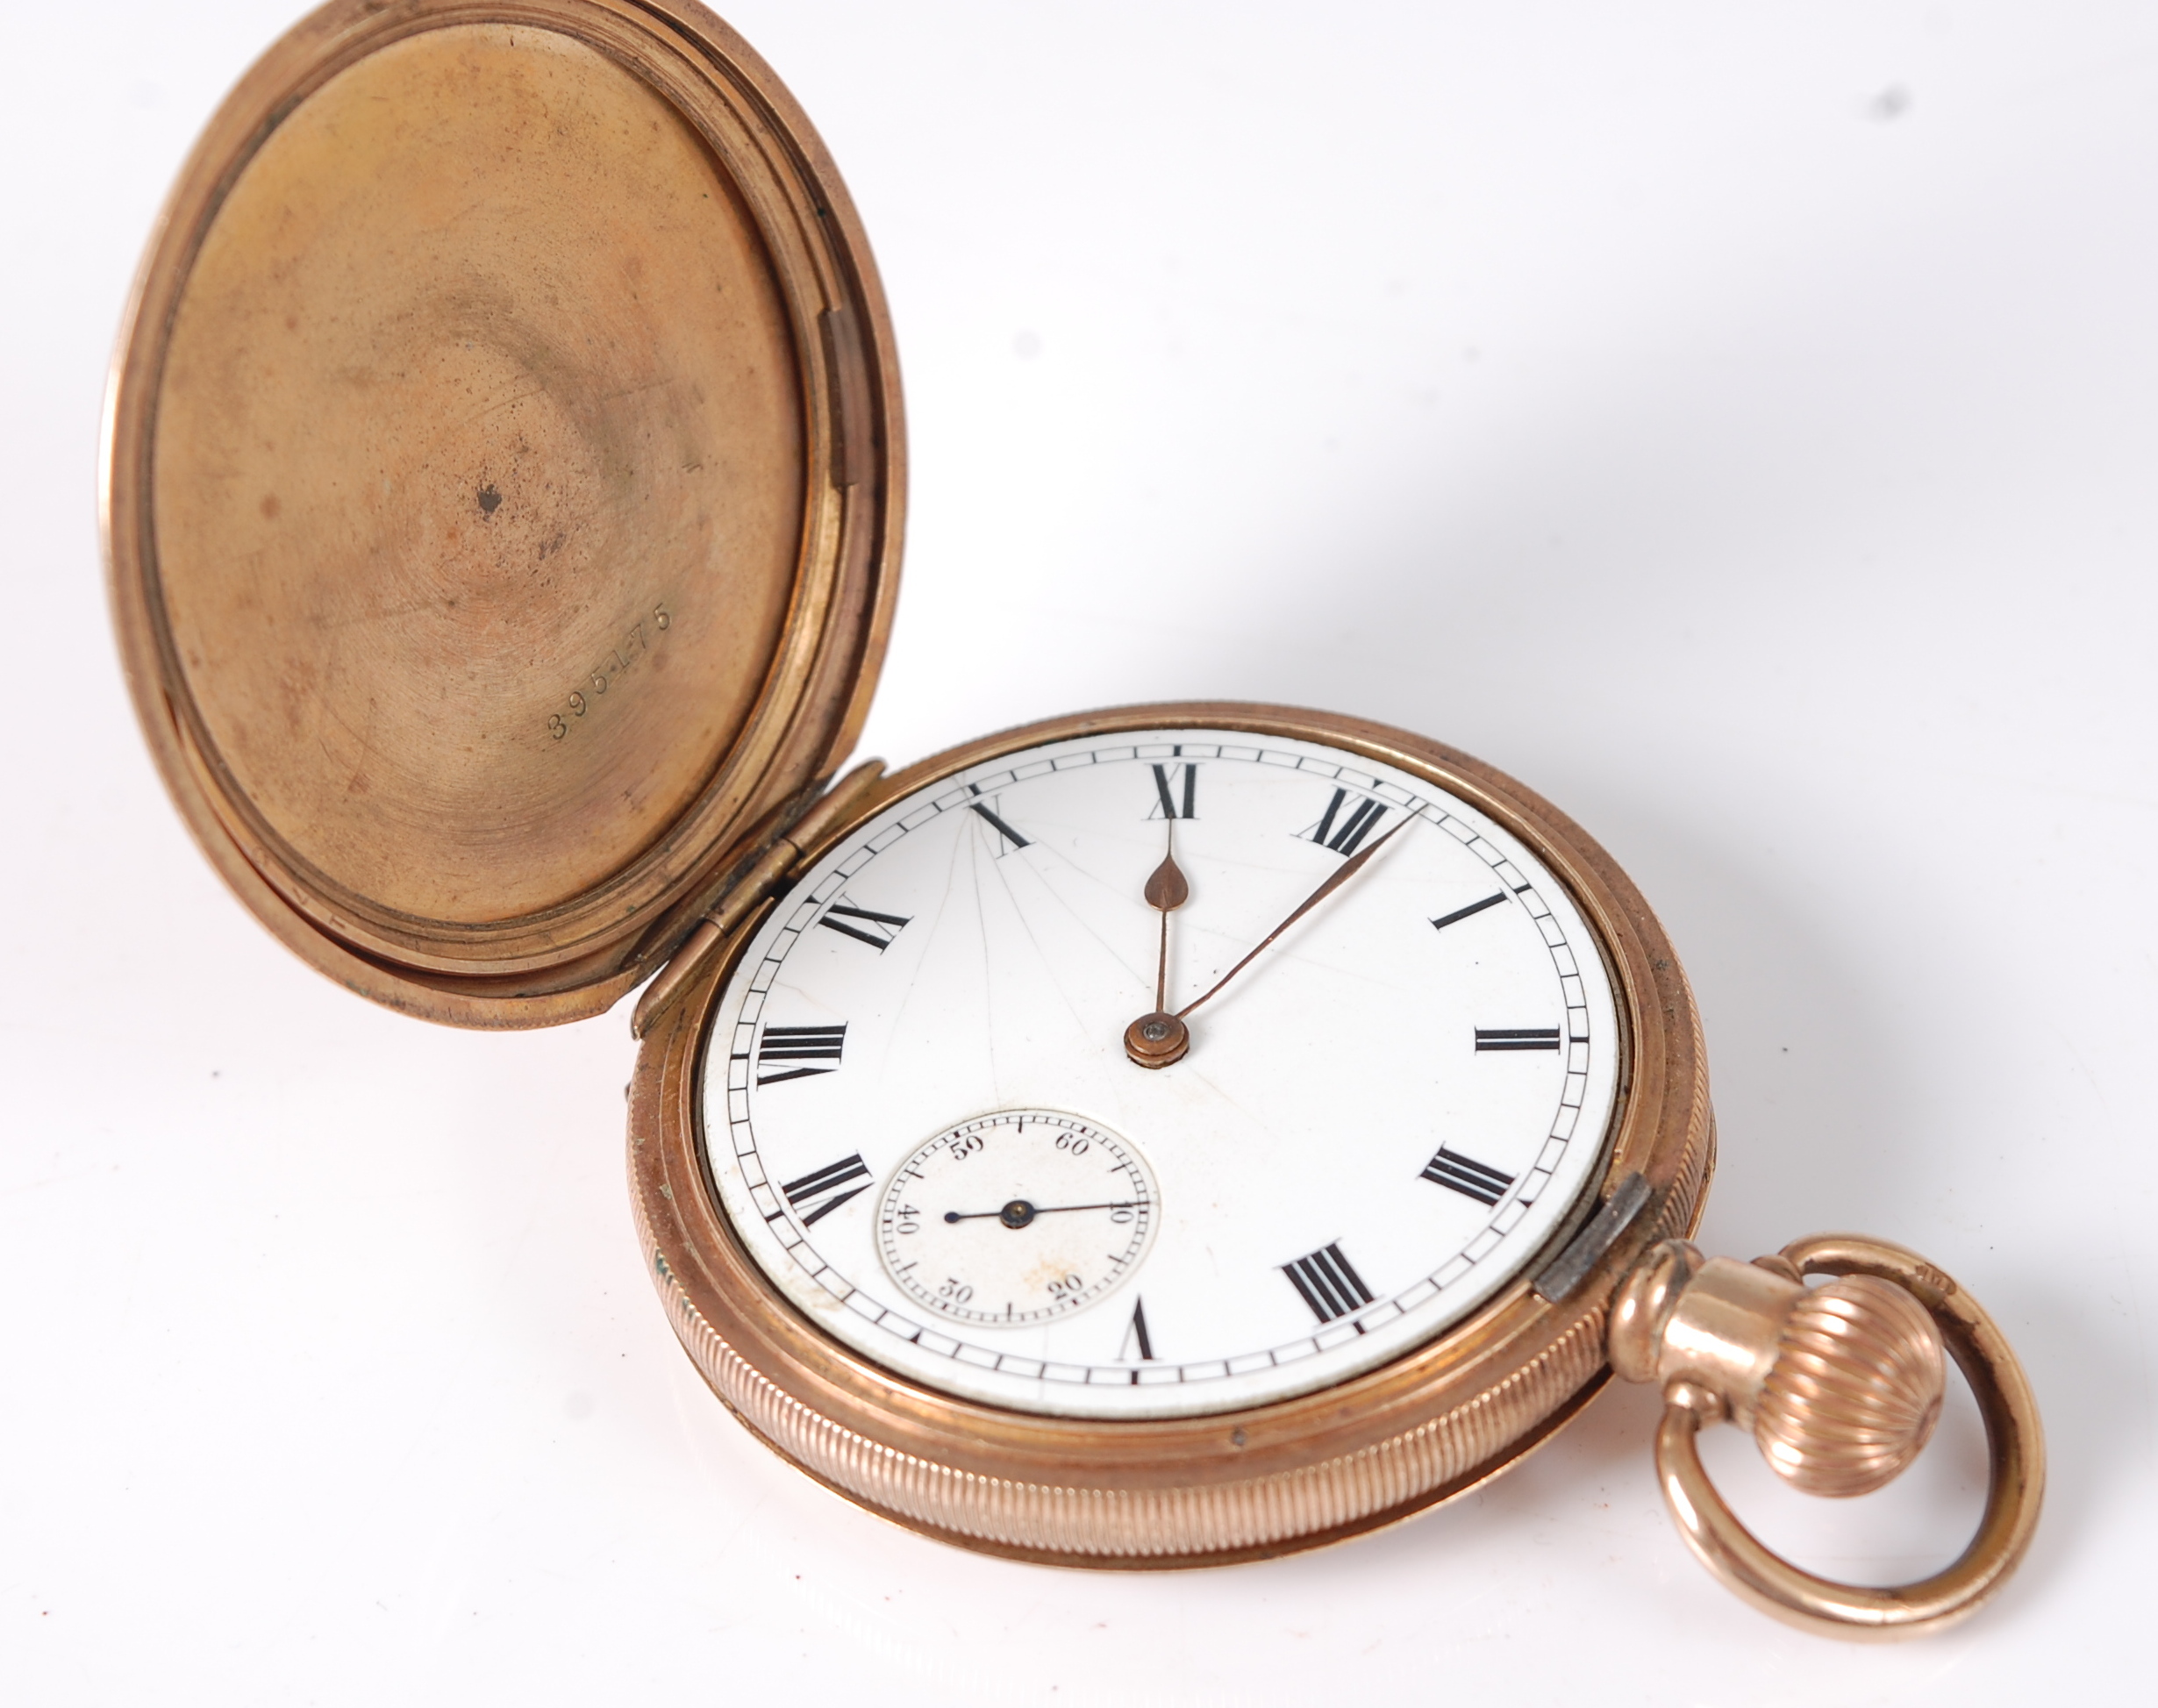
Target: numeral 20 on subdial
579,701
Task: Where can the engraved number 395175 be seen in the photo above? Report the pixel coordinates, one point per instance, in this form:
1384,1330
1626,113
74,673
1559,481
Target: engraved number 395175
618,661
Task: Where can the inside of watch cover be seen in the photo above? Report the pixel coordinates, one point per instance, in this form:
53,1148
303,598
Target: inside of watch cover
489,508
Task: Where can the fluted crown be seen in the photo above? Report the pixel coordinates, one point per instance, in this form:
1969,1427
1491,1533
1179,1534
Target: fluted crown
1855,1388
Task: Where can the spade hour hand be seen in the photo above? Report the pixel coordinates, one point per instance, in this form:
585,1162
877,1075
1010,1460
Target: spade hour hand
1156,1039
1166,891
1019,1212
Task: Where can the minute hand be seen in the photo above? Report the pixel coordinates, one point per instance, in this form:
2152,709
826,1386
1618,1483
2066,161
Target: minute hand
1354,865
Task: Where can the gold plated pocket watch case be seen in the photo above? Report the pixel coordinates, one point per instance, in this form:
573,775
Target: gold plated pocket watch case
1240,1484
502,491
1841,1385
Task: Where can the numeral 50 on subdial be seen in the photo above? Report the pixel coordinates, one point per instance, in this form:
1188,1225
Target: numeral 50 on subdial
636,642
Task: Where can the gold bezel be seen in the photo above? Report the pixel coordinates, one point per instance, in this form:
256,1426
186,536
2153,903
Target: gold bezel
1241,1485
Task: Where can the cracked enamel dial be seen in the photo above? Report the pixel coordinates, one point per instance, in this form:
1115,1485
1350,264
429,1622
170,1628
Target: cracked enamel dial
924,1119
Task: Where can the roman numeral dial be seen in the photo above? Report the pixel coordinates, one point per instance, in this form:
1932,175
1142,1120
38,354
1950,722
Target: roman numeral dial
1346,822
830,1186
1467,1176
1009,840
1176,791
810,1045
1468,912
1376,1064
1327,1281
1516,1038
865,925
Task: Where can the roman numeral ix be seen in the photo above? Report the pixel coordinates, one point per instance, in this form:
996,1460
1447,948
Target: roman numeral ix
829,1178
783,1044
877,930
1169,789
1467,1176
1517,1038
1362,820
1328,1283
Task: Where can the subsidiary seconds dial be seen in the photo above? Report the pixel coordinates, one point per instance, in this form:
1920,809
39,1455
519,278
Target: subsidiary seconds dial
1017,1218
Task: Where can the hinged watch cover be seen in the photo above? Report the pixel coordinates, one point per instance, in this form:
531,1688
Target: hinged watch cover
502,490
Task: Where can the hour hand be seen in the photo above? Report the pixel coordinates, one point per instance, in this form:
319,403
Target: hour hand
1156,1039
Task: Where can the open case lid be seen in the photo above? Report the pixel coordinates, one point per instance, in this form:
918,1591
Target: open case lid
503,489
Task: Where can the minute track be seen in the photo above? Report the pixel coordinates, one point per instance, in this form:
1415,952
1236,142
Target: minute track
1029,934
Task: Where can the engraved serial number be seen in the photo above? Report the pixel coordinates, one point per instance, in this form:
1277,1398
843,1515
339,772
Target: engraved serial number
636,642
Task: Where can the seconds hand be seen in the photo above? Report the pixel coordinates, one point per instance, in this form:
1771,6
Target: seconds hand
1018,1212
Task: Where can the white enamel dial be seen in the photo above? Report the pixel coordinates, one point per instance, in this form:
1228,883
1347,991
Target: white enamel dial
1382,1119
1016,1217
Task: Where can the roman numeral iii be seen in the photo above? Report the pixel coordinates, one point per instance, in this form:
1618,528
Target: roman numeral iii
785,1044
1467,1176
1328,1283
875,929
1176,789
1342,831
1517,1038
829,1178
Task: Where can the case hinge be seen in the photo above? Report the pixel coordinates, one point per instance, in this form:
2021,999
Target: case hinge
767,877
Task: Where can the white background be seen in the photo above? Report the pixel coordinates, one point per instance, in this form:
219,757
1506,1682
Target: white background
1739,423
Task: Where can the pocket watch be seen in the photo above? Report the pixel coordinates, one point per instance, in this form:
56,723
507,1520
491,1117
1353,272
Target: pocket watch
1158,1136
